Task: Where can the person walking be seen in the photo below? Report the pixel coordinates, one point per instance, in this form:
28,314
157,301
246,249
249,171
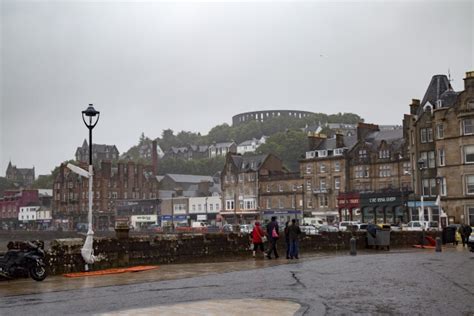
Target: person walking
294,232
467,232
287,239
462,232
257,239
273,235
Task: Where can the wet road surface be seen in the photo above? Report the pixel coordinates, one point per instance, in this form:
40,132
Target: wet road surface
407,282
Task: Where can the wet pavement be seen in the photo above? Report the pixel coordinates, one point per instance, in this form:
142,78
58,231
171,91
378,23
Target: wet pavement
395,282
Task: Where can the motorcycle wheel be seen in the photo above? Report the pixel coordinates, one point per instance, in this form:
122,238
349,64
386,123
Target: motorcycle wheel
38,272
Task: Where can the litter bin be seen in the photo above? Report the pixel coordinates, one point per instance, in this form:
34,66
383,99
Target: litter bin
378,237
449,235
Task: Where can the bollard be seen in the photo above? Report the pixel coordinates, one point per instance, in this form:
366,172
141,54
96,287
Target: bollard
353,246
438,244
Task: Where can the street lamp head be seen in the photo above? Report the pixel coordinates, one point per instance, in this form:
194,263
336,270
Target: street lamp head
421,164
90,111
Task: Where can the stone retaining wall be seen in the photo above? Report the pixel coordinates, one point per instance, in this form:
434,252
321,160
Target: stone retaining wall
64,255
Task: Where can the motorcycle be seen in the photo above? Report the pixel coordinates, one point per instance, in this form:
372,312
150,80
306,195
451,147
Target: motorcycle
23,262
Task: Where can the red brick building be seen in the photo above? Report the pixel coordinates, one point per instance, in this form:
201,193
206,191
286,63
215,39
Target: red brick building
10,205
112,182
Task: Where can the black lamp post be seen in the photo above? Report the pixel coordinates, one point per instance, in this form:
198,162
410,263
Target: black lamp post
87,251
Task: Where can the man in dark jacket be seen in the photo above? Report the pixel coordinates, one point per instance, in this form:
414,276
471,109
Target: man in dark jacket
273,234
294,231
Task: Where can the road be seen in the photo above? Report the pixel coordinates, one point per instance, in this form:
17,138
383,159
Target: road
403,282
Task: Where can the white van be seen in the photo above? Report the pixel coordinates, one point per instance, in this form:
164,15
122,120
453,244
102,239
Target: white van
199,224
314,221
419,225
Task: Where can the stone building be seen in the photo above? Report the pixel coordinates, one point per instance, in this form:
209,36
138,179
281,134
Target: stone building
281,195
441,132
337,169
325,171
112,182
22,177
240,180
99,152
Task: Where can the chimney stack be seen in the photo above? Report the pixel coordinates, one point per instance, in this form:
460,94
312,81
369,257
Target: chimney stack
315,140
154,157
415,103
469,81
363,129
339,140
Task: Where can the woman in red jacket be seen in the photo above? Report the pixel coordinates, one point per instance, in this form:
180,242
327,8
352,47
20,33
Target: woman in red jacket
258,237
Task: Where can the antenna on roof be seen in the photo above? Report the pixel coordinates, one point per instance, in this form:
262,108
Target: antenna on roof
449,78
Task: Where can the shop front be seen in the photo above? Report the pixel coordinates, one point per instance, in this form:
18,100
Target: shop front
140,222
282,216
384,207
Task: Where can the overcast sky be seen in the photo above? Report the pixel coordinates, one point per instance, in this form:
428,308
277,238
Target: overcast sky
150,66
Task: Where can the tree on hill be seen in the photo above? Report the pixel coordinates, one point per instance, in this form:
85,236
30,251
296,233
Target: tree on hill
6,184
47,181
288,146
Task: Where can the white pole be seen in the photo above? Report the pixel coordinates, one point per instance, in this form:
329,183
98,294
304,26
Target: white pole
87,250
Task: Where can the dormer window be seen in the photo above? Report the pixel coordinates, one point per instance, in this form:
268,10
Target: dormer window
362,153
338,151
322,153
384,154
439,104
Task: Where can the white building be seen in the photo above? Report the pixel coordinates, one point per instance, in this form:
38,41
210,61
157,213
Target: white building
249,146
28,213
204,208
221,149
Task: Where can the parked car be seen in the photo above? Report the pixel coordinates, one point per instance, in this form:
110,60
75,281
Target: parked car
309,230
470,241
420,225
246,228
344,225
327,228
227,228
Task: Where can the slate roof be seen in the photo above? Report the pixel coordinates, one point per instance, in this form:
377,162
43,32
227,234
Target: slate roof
249,163
449,98
222,145
330,143
189,178
438,85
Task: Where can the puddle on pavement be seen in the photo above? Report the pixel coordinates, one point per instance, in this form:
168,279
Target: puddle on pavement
249,307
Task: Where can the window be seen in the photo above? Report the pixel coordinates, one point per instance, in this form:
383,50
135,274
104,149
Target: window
229,204
280,187
441,157
309,203
431,159
309,168
429,134
440,131
429,187
199,207
424,157
280,203
423,135
241,177
469,154
384,154
471,215
323,200
268,188
337,183
362,154
269,203
308,185
322,184
406,168
322,168
385,171
468,126
211,207
338,151
470,184
293,202
442,187
249,204
217,206
337,166
194,207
